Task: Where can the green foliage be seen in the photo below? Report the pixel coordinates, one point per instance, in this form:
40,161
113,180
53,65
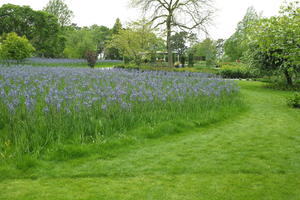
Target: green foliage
237,72
178,42
191,59
129,43
79,42
101,36
13,47
41,29
184,15
137,42
117,27
237,44
60,9
91,58
233,49
294,101
206,50
220,48
165,67
275,43
110,51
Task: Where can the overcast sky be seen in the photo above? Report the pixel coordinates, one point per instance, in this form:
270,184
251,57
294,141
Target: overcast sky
104,12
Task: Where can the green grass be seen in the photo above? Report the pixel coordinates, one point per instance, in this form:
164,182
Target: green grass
251,156
196,68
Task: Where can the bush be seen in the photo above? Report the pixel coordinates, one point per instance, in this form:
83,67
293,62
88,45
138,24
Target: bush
237,71
15,48
294,101
91,58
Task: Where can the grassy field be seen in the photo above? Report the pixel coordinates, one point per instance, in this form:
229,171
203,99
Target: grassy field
254,155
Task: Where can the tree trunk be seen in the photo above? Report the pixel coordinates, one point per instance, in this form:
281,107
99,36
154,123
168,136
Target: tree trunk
170,55
288,77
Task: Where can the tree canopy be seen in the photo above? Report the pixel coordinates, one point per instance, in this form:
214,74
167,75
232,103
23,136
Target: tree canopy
79,42
184,15
236,45
179,42
42,29
61,10
206,50
274,43
136,42
110,51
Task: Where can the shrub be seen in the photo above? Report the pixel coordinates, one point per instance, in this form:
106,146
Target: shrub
237,71
294,101
91,58
15,48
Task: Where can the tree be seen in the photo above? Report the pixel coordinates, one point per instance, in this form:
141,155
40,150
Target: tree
185,15
178,43
206,50
79,42
220,48
135,42
236,45
101,35
117,27
41,29
275,43
112,52
191,59
60,9
13,47
47,38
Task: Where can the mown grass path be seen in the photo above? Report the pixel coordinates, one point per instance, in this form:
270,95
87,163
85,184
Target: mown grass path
254,156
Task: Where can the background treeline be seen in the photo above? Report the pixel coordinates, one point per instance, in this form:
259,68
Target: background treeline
259,47
52,34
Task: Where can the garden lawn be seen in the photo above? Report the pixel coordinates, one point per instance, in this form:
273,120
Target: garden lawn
252,156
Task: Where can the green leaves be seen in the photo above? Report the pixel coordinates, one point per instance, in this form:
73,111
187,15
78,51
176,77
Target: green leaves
16,48
41,29
237,45
79,42
136,42
60,9
207,50
280,33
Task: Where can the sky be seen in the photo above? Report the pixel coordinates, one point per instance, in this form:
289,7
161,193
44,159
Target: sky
105,12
